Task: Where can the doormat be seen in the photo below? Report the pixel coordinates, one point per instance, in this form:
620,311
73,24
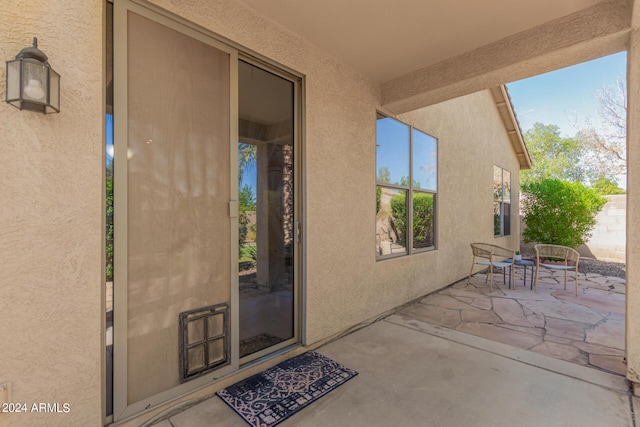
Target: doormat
272,396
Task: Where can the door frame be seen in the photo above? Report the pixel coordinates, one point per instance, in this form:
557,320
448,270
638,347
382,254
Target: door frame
297,145
121,408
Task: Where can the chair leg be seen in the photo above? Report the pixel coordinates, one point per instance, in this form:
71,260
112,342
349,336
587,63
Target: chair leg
490,277
512,278
535,276
565,280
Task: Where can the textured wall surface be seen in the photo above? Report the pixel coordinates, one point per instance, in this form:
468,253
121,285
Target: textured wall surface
472,139
608,239
51,192
50,219
633,211
345,284
339,162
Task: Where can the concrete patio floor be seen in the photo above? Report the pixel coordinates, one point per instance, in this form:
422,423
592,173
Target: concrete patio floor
415,372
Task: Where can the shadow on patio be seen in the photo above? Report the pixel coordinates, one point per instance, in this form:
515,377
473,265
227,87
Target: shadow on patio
586,330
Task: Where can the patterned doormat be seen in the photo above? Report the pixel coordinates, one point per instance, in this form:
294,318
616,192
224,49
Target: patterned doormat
272,396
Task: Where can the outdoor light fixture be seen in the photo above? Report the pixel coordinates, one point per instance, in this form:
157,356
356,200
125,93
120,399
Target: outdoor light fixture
31,82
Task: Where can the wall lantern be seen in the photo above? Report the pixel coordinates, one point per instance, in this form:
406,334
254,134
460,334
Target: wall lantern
31,82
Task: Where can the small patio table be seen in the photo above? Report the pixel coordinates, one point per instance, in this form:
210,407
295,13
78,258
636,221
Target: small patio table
523,263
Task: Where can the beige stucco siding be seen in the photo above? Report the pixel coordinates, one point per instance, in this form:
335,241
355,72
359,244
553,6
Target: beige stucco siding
633,213
51,230
472,139
339,164
344,283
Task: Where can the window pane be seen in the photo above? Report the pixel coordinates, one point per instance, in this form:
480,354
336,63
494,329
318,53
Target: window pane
497,184
425,161
506,186
506,219
266,223
392,151
496,219
109,208
423,220
391,221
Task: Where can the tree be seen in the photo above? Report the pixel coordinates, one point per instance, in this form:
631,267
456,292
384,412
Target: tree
246,204
559,212
246,158
553,156
606,142
109,223
606,186
246,198
384,176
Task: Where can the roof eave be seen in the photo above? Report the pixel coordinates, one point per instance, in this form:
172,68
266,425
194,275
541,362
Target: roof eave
508,116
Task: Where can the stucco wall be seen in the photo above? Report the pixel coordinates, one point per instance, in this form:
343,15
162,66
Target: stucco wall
51,219
608,239
345,284
633,211
472,139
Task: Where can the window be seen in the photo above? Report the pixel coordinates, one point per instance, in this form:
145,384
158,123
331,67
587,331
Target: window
407,184
501,202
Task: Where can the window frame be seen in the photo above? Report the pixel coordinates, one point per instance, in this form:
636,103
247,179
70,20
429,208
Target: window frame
501,201
410,191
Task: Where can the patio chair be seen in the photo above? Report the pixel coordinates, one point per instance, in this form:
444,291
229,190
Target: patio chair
556,257
493,256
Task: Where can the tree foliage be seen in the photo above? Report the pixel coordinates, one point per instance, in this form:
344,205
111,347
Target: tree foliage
384,176
559,212
606,141
109,221
246,204
554,156
246,158
606,186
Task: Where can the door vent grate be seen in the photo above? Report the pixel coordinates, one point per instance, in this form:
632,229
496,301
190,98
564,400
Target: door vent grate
204,340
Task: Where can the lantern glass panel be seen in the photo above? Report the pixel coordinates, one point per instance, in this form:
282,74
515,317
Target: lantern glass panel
54,92
34,81
13,80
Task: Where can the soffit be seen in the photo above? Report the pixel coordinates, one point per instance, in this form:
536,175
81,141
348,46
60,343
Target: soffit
386,40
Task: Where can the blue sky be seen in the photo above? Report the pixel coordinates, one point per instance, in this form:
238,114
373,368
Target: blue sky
565,96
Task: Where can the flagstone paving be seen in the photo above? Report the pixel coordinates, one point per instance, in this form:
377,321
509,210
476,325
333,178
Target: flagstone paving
587,330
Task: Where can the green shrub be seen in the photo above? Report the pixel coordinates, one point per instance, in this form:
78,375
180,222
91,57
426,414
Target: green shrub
246,203
249,253
606,186
109,218
422,218
559,212
399,214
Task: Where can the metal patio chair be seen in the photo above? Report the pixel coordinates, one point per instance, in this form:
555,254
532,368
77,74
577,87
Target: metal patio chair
492,256
556,257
